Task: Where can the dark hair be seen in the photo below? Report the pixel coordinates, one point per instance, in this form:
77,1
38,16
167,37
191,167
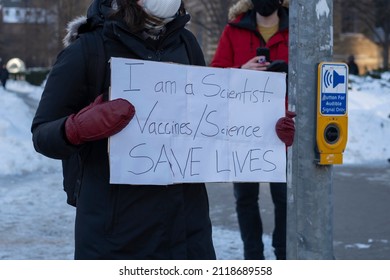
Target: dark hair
182,9
131,13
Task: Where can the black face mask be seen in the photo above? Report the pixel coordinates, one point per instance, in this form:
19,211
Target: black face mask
266,7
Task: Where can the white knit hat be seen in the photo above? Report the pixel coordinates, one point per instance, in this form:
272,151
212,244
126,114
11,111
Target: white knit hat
162,8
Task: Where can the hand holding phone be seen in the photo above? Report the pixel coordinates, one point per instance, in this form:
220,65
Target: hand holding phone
264,54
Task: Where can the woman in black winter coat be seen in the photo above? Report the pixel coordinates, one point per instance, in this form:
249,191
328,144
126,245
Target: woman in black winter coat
122,221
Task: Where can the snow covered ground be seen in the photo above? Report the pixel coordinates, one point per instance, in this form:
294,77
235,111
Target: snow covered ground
35,222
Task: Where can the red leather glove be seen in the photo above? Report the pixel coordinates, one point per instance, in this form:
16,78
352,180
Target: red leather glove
285,128
98,120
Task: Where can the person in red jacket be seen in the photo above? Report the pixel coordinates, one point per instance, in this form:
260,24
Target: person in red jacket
253,24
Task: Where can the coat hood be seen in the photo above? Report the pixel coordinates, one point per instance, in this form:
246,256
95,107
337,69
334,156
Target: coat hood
96,13
242,6
72,30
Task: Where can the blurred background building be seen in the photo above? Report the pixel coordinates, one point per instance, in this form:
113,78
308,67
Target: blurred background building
32,30
361,28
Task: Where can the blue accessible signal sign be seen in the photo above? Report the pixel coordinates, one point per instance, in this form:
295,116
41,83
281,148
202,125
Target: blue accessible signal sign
334,88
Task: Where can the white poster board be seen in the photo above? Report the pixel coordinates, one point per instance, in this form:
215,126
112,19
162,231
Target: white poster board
197,124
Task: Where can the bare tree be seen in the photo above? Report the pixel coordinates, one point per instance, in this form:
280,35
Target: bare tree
67,10
45,41
382,30
38,32
208,18
214,15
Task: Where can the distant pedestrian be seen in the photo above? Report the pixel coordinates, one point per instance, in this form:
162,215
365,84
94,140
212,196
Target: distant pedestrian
353,67
4,75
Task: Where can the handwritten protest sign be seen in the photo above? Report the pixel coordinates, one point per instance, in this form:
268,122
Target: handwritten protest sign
197,124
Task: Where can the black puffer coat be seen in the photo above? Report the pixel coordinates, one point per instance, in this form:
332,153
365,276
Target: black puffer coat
122,221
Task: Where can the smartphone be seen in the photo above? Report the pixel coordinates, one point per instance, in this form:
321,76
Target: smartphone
264,53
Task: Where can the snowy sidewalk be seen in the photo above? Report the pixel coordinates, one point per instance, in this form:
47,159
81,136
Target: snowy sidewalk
37,224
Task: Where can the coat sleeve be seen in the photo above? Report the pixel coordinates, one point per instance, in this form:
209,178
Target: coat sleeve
224,55
65,93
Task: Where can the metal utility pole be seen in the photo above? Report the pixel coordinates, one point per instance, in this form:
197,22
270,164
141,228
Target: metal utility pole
310,205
